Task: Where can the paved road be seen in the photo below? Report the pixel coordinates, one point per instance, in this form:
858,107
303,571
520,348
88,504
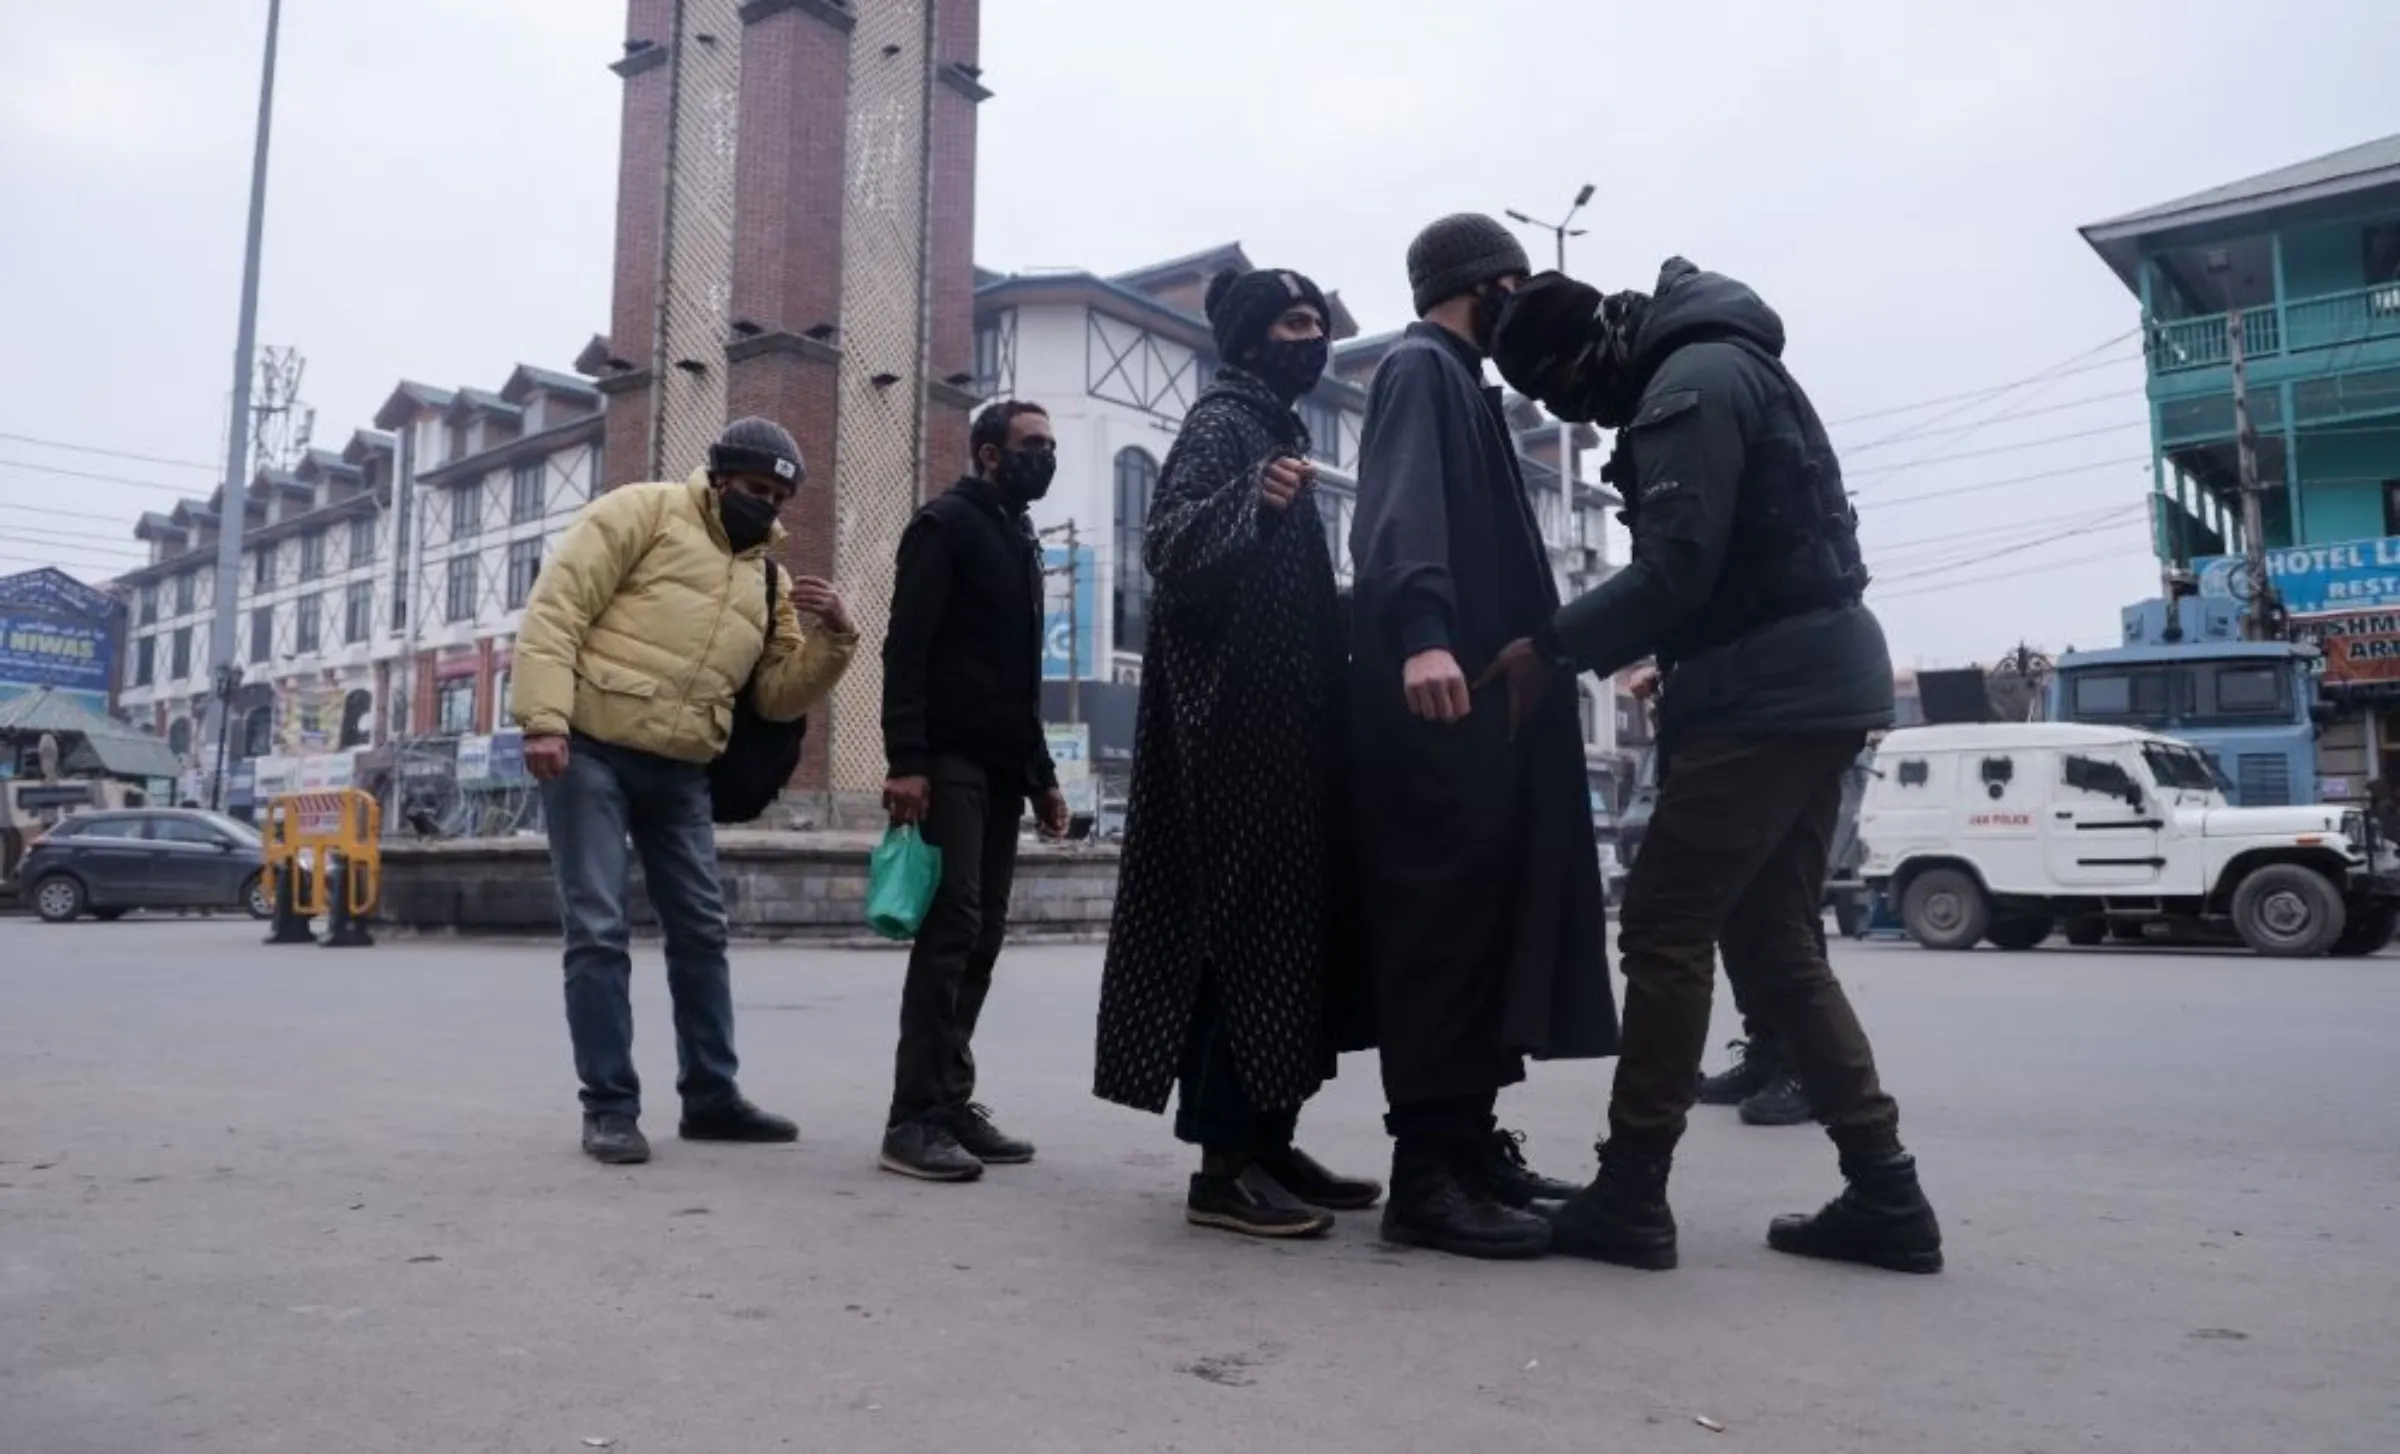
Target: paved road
318,1201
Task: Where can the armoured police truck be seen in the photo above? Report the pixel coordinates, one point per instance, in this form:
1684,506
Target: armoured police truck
2252,706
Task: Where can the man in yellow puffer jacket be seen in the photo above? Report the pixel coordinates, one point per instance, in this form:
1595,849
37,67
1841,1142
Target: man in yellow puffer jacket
640,631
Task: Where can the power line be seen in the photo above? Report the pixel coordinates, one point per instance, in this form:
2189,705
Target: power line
2056,474
1983,532
51,469
2080,363
2020,547
183,464
1954,585
2059,408
116,544
1999,449
55,512
109,572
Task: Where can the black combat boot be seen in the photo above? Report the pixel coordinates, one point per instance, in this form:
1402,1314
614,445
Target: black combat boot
1881,1219
1754,1066
1498,1168
1435,1203
1782,1103
1622,1217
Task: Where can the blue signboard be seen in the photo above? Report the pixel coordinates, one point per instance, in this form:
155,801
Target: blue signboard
1058,660
44,651
2312,579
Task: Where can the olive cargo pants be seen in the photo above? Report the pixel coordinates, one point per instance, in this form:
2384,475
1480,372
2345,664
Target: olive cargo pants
1736,855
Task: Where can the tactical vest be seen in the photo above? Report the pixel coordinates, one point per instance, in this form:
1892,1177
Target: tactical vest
1793,545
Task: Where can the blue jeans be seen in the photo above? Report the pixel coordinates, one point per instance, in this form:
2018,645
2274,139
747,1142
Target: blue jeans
607,796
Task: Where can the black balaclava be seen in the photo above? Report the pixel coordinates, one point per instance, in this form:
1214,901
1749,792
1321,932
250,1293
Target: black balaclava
1242,307
752,446
1560,342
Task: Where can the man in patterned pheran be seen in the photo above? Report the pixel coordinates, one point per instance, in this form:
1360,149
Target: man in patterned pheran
1227,964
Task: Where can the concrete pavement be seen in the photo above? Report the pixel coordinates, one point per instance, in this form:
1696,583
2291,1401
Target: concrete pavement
313,1200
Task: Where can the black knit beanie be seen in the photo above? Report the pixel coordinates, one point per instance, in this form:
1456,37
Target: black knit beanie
1459,254
757,446
1243,306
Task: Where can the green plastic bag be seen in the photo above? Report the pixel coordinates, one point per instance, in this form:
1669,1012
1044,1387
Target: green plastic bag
902,874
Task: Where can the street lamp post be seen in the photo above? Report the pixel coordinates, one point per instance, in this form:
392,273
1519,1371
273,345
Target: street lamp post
1561,228
228,682
235,500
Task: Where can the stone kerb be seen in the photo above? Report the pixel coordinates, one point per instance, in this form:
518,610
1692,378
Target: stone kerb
778,885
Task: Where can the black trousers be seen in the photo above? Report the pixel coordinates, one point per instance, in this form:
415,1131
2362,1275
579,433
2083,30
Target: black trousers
1212,1111
1736,857
973,820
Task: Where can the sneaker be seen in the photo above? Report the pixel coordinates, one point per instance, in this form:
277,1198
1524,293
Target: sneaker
986,1142
735,1120
1622,1217
1252,1203
1782,1103
1752,1070
1303,1177
1498,1168
928,1151
614,1140
1881,1219
1433,1206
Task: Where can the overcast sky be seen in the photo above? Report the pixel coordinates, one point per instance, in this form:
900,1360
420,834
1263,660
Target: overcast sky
1902,179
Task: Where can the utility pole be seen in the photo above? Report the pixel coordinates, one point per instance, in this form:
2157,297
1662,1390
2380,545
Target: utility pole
236,497
1560,228
2245,443
2261,597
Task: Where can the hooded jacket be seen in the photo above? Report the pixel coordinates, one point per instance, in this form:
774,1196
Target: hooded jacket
645,624
1716,425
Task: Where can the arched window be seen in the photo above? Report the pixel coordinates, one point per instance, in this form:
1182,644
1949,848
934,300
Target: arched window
1137,478
179,737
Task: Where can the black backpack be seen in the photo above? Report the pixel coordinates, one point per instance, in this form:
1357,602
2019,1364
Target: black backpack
760,756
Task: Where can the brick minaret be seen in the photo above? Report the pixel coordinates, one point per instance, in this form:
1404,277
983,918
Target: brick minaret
795,238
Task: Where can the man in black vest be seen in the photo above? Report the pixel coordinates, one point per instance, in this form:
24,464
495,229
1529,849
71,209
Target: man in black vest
1747,584
965,750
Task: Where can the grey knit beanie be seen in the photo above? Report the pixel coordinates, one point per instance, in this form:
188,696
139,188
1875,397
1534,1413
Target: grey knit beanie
1458,254
755,446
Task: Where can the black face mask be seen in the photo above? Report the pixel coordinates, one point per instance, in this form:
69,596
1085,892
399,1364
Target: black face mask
748,520
1291,367
1490,299
1024,474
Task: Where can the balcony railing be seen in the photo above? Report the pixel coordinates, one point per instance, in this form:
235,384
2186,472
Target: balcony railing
2333,321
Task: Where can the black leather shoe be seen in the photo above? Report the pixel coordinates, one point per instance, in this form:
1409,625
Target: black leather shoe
1433,1206
1622,1217
614,1140
1301,1175
1782,1103
1753,1069
1498,1169
986,1142
1252,1203
735,1120
929,1151
1881,1219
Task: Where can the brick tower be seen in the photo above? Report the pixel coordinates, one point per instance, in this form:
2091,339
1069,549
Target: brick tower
795,239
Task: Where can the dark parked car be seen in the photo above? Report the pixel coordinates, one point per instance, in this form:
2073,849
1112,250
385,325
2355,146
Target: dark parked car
105,864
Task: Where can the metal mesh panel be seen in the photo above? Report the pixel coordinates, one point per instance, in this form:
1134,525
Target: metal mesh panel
699,235
882,378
